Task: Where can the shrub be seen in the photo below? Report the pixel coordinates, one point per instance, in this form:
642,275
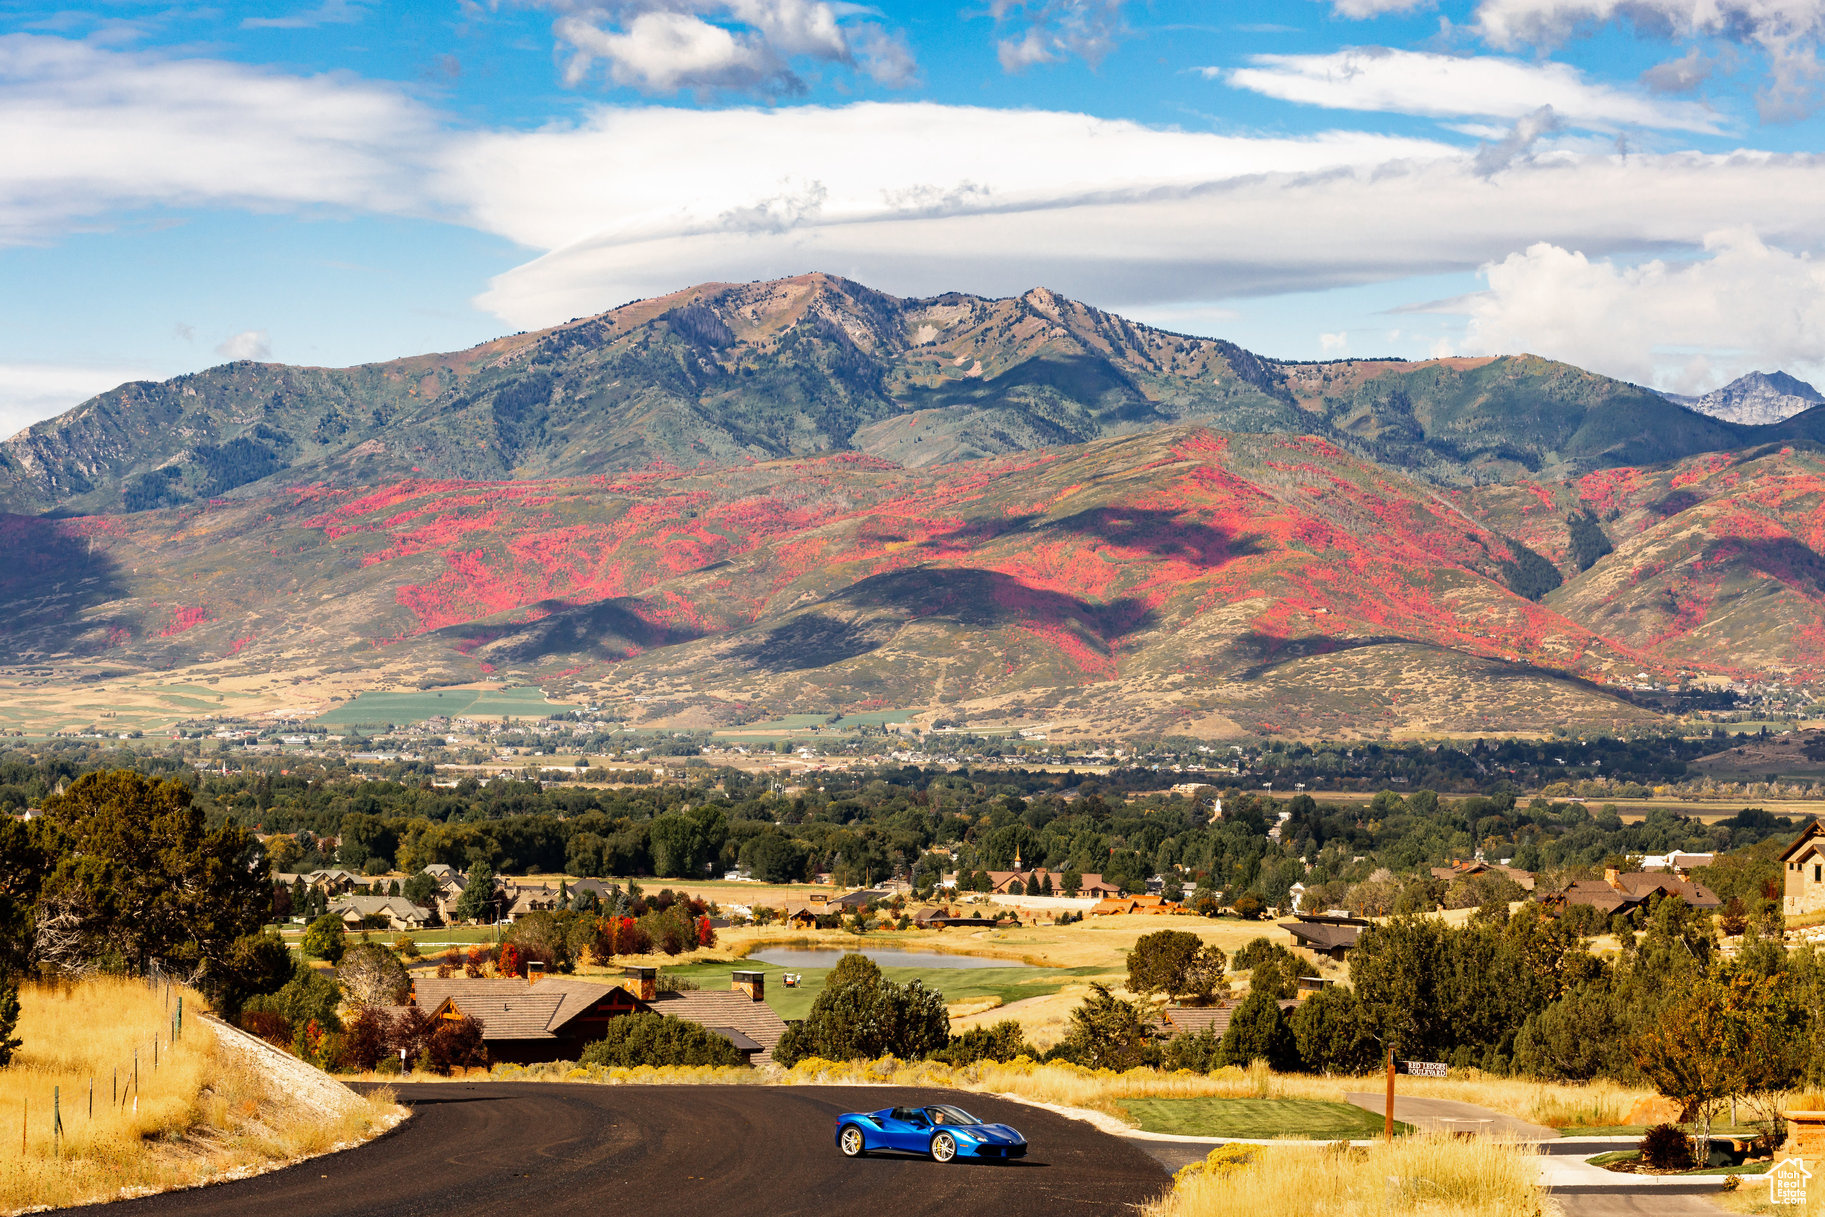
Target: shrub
323,938
308,997
1106,1032
1002,1042
1199,1051
371,975
269,1025
456,1044
1248,906
365,1041
653,1039
1667,1148
862,1015
1258,1031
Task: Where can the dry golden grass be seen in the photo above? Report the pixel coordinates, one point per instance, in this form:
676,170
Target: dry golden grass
198,1116
1092,942
1421,1176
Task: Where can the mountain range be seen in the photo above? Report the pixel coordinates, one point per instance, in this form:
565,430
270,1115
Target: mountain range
1758,399
739,501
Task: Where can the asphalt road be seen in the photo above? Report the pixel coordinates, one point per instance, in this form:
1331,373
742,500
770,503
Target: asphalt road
1638,1204
548,1150
1446,1115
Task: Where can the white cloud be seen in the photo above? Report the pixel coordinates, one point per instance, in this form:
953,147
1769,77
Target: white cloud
788,187
665,46
1057,29
1330,344
1788,31
91,132
922,198
1450,86
32,392
910,197
330,12
1687,326
248,344
1360,10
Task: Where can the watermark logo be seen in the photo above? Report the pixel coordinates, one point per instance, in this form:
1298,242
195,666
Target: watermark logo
1787,1182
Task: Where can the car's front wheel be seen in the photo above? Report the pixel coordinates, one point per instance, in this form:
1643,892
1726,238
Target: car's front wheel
852,1143
944,1147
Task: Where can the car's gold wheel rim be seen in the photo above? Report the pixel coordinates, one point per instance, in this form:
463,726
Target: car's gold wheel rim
852,1141
943,1148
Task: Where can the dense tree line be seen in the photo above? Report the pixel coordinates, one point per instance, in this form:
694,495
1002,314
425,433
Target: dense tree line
864,827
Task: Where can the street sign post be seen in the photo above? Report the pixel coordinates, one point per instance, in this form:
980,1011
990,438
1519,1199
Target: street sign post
1418,1069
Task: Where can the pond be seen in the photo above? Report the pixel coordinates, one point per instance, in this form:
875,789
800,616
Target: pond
805,957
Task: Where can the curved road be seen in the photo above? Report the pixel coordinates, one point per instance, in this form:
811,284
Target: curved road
551,1149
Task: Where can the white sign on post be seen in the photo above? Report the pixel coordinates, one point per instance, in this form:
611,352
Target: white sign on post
1423,1069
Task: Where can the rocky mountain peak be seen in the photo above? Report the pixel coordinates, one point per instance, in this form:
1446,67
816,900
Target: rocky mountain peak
1756,399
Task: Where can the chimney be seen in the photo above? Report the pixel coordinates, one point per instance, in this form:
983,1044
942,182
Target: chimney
754,984
1613,877
643,983
535,971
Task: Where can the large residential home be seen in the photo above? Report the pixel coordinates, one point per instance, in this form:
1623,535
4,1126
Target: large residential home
1001,882
330,882
1326,934
1466,870
1626,891
398,912
518,899
1804,865
555,1018
523,1021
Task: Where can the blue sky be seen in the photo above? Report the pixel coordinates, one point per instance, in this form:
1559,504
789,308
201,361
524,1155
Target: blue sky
1631,187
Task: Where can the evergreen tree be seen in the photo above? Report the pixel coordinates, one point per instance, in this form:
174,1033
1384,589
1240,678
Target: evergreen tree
477,901
9,1017
861,1015
1258,1032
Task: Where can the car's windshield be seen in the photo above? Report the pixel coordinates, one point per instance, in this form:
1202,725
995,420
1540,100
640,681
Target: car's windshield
950,1115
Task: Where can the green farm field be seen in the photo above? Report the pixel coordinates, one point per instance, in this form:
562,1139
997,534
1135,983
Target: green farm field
378,709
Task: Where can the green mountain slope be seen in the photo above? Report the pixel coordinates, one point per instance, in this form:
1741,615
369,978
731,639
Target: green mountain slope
726,373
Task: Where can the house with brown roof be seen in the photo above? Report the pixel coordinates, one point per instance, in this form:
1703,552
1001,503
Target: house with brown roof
740,1013
1468,870
1001,882
1803,867
1325,934
1178,1020
1626,891
1123,906
527,1020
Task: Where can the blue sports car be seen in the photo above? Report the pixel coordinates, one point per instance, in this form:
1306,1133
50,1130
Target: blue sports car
943,1131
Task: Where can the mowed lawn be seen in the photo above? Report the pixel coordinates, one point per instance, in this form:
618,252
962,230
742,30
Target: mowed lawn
956,984
1257,1119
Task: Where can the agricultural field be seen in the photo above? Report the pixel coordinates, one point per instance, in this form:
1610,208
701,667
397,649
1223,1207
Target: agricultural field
400,709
